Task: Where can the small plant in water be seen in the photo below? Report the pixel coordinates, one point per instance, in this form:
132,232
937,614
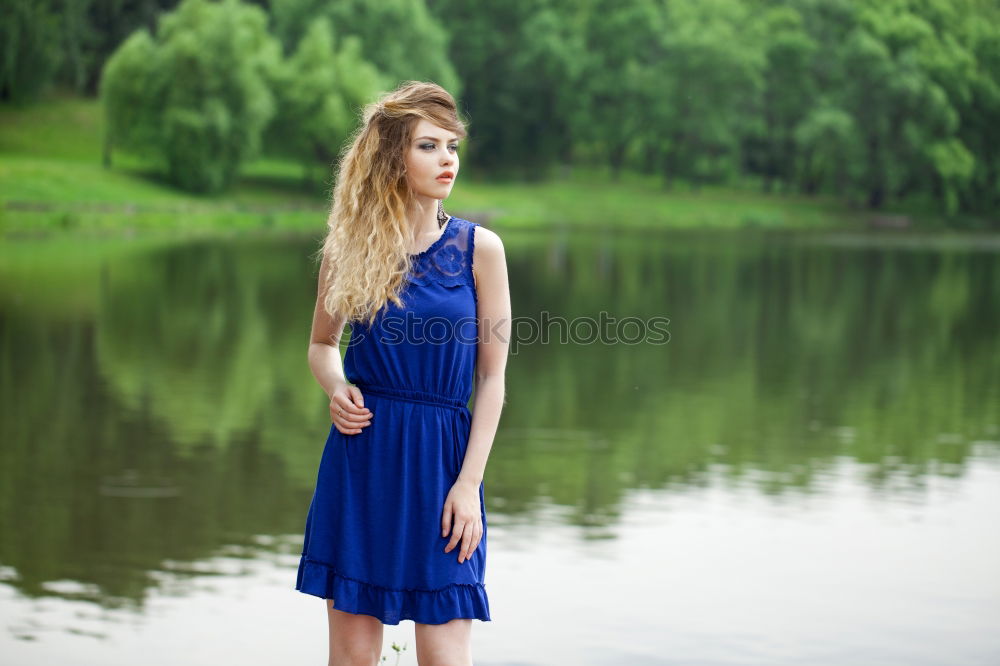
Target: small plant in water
398,649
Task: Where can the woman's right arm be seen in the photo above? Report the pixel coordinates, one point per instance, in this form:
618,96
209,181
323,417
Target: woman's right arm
347,406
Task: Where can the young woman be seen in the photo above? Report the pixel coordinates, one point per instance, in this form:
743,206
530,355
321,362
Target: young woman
397,525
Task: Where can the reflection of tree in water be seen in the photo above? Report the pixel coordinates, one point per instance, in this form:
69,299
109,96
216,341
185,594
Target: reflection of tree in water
775,347
197,424
208,335
114,460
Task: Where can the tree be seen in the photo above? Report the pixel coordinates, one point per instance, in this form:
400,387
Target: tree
29,32
905,117
788,95
400,37
711,79
618,84
319,92
195,96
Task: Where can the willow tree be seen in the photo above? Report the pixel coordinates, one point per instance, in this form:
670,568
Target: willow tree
194,96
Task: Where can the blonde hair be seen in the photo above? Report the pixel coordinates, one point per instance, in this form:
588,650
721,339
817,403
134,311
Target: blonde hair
366,249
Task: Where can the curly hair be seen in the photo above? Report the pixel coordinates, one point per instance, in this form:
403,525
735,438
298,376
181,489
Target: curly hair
366,248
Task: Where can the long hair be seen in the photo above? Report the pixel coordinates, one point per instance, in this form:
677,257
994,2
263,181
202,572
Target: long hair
368,240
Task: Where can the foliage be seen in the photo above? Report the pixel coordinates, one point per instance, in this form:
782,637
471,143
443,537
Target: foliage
881,103
197,93
29,32
319,91
399,37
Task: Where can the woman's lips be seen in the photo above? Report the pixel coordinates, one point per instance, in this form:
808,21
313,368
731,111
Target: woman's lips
445,179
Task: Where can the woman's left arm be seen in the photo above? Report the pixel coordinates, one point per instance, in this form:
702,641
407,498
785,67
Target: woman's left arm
493,313
494,316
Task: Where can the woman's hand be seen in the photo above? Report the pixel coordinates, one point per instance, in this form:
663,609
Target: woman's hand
462,504
347,409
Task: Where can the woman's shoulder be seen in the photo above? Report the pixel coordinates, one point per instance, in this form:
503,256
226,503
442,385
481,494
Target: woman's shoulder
487,247
485,238
481,239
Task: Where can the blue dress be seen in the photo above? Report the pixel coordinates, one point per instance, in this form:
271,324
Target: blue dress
373,539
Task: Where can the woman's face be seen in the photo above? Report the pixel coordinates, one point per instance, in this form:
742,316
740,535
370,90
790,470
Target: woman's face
432,152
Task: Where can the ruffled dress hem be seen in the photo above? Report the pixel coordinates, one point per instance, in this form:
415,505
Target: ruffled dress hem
389,605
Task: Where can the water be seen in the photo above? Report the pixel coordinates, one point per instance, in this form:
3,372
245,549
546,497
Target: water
807,472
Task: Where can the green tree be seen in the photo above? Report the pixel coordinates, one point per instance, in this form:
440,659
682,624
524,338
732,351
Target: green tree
618,85
29,33
518,63
712,77
828,151
788,95
195,96
319,92
65,43
905,118
551,56
976,96
100,27
400,37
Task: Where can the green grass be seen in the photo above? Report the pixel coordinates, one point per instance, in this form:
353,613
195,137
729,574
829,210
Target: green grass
52,182
589,197
66,128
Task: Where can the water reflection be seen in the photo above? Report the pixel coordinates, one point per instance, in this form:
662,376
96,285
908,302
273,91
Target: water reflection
161,431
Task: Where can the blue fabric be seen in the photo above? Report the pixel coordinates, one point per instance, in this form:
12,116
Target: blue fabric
373,539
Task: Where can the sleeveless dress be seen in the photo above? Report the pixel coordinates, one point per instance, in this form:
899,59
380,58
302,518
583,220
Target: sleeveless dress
373,539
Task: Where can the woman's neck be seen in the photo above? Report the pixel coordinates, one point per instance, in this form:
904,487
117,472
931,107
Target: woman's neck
424,222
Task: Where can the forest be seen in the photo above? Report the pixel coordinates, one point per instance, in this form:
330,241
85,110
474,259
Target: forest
875,102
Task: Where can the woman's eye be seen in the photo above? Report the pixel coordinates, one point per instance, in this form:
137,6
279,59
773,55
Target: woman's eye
453,146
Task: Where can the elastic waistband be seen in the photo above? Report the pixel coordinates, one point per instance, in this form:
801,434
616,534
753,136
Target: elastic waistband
412,396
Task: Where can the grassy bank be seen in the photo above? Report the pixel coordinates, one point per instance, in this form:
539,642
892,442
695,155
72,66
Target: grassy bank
53,183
